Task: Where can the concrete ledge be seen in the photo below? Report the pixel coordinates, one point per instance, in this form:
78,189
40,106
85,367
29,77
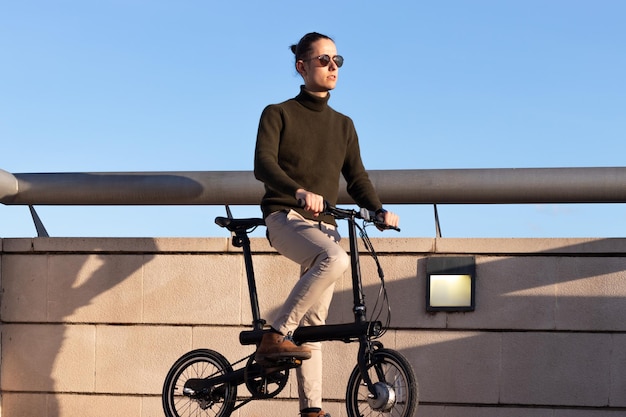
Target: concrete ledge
512,246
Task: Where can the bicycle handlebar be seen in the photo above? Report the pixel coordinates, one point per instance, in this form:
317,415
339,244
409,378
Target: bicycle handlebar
363,214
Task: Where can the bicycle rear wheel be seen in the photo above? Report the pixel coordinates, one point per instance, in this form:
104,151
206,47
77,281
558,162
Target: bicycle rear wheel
215,401
395,385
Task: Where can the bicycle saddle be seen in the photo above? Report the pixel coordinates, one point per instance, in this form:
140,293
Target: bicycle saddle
237,225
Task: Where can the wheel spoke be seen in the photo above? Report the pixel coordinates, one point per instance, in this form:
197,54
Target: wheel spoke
210,401
393,382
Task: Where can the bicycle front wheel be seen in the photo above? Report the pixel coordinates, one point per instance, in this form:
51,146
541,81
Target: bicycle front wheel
395,385
213,401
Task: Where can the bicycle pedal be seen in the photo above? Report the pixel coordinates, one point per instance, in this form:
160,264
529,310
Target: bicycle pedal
279,363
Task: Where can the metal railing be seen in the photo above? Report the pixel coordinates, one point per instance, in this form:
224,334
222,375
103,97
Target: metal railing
450,186
432,186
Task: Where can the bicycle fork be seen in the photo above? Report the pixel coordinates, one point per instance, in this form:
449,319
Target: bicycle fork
365,361
382,394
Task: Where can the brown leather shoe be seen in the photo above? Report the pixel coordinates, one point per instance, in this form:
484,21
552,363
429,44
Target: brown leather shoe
275,346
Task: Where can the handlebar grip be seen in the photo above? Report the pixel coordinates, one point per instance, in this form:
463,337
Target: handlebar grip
302,203
386,226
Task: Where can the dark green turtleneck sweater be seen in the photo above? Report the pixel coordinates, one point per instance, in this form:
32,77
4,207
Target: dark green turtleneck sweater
304,143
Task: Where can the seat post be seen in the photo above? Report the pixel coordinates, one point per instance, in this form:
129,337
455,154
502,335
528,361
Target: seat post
244,242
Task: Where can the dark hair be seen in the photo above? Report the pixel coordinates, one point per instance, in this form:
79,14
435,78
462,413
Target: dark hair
303,48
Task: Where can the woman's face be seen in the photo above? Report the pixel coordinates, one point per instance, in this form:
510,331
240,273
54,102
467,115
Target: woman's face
319,79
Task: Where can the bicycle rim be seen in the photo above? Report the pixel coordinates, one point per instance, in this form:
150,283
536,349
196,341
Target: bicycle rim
218,401
394,382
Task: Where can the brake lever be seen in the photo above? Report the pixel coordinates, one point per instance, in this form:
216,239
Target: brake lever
371,217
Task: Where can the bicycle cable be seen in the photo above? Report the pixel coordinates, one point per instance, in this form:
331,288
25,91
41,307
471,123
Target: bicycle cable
382,299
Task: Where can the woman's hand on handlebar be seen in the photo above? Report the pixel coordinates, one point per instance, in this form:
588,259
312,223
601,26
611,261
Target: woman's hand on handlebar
310,201
389,219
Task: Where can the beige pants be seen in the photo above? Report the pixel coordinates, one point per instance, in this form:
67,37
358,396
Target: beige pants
314,246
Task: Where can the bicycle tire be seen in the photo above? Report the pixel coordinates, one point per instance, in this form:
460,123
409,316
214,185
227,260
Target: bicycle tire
393,378
200,363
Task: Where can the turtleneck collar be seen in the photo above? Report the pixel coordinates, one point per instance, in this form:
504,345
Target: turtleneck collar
312,102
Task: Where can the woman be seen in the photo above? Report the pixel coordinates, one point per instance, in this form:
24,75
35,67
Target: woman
303,146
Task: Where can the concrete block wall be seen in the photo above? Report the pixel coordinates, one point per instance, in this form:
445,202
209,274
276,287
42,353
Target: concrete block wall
91,326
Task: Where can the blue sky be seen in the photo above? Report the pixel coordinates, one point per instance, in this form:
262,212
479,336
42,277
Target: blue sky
137,85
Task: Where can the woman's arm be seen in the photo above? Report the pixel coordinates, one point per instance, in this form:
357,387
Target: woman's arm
267,168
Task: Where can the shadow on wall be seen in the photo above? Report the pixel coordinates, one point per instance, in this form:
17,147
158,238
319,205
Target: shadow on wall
70,289
83,288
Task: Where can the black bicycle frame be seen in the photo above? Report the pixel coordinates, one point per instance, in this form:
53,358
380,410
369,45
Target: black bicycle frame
360,330
333,332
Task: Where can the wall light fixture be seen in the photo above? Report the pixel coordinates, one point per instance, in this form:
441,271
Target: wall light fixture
450,283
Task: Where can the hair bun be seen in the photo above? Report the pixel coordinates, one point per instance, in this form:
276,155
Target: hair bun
302,48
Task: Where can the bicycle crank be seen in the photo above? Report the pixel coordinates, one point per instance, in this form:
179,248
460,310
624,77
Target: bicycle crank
265,381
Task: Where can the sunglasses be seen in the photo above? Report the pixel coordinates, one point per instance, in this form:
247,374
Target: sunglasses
324,60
